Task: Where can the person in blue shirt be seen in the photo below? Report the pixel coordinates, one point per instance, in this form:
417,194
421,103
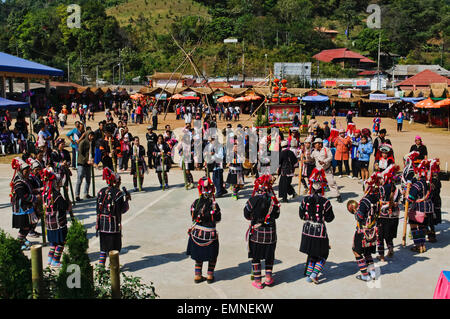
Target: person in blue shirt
400,118
74,136
365,148
356,139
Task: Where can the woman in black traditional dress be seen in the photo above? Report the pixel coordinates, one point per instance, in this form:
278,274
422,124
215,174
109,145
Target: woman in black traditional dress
203,244
56,208
315,210
262,210
161,148
235,176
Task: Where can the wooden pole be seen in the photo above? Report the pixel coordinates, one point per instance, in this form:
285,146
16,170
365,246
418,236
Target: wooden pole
163,171
405,221
36,270
173,92
138,173
114,267
71,190
300,174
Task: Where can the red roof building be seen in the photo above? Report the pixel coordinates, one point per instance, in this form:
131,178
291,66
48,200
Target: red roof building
345,57
422,80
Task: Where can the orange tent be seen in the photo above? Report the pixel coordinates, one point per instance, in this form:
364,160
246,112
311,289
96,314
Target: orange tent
426,104
225,99
241,99
137,96
442,103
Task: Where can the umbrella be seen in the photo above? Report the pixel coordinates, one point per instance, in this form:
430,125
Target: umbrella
426,104
225,99
252,97
136,96
177,97
442,103
241,99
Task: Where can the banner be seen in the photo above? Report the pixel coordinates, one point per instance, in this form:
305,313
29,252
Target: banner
344,94
283,113
330,83
378,96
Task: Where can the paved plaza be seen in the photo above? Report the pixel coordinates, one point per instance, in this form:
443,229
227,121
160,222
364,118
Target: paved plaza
155,240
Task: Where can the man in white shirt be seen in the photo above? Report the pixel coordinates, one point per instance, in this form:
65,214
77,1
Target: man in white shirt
323,157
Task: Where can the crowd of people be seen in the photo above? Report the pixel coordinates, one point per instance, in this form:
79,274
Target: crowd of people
42,178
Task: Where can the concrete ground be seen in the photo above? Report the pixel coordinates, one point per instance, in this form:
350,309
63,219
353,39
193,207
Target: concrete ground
155,240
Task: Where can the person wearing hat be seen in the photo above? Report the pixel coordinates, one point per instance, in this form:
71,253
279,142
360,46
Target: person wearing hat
151,142
288,160
315,210
60,162
380,140
111,204
37,186
419,147
23,201
326,130
323,157
386,158
55,216
307,160
343,144
356,139
203,244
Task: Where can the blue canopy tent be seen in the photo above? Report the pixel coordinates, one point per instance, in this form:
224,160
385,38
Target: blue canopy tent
5,103
315,98
413,100
13,64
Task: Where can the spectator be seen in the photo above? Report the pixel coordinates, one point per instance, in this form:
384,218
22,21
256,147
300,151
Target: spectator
419,147
343,144
365,148
354,150
74,136
400,118
85,161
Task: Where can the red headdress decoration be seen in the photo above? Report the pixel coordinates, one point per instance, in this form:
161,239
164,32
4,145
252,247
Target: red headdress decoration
110,176
48,178
205,186
389,173
374,182
263,184
318,176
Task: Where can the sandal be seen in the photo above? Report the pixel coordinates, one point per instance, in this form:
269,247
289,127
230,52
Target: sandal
210,280
361,278
257,285
199,280
269,282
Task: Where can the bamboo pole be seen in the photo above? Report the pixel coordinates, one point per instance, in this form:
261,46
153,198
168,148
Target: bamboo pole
114,267
173,92
405,220
196,69
71,190
163,171
36,270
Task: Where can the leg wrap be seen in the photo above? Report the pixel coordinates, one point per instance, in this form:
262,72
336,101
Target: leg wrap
102,258
211,266
51,253
256,266
269,269
318,267
310,268
57,255
198,268
362,265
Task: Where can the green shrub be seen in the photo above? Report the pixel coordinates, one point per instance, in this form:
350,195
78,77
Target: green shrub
130,287
76,253
15,269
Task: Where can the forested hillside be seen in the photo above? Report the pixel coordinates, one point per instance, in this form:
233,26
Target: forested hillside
286,30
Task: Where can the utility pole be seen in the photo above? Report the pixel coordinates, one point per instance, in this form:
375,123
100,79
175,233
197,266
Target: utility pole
277,37
243,61
378,67
68,70
96,76
81,68
265,65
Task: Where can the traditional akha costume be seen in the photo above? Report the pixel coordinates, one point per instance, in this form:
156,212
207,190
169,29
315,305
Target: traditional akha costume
437,203
138,154
365,238
159,165
22,201
109,144
57,159
235,176
390,211
421,210
262,209
288,160
56,208
111,204
37,186
315,210
203,244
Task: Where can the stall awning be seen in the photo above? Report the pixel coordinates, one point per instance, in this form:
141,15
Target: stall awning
12,64
412,99
315,98
5,103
